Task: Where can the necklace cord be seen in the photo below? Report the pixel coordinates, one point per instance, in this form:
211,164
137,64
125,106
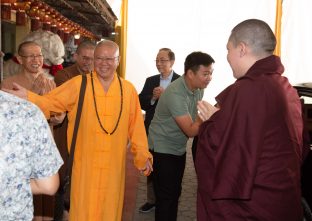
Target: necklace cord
96,110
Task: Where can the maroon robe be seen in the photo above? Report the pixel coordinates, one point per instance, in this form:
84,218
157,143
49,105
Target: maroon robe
249,152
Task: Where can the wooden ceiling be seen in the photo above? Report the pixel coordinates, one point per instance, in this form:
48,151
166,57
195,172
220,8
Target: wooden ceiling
94,15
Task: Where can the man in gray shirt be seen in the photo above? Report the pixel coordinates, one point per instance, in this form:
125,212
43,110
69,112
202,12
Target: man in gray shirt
175,120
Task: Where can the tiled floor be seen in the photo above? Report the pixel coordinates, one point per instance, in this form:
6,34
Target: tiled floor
131,186
135,192
187,205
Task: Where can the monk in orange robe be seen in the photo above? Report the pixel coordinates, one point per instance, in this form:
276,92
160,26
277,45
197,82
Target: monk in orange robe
111,118
31,74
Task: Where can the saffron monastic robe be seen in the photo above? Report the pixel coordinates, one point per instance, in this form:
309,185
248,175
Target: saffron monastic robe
98,175
39,85
60,130
249,152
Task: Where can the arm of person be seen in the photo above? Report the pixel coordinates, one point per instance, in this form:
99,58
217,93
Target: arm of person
233,138
17,90
147,169
21,92
45,159
146,95
47,185
143,159
4,85
187,125
179,109
59,100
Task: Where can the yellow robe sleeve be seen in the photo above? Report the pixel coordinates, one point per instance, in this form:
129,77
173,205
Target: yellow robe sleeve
139,145
59,100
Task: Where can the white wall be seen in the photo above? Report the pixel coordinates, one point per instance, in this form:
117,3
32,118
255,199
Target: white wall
297,40
186,26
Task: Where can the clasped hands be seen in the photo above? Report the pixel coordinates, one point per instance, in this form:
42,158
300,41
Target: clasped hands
157,91
205,110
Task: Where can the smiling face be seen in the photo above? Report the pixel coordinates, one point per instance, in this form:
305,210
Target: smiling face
31,58
106,60
202,77
84,59
236,57
163,63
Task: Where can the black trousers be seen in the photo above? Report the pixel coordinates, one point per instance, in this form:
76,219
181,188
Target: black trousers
194,148
168,175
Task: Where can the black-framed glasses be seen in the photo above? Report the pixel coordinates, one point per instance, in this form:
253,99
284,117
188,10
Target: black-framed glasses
87,59
32,56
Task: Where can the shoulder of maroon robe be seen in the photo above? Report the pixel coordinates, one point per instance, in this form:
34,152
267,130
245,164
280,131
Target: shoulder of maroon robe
230,142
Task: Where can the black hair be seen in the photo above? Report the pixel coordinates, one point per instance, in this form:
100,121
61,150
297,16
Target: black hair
195,59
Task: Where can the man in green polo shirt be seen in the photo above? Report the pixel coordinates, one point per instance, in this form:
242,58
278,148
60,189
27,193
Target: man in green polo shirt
175,121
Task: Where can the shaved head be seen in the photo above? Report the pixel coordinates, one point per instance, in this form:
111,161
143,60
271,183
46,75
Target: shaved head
109,44
256,34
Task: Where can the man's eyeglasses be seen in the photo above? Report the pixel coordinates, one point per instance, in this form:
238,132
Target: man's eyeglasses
108,60
161,61
32,57
87,59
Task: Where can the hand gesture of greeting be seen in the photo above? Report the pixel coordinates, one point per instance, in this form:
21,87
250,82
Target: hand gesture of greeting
205,110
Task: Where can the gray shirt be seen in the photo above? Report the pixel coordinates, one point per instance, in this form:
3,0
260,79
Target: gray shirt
165,136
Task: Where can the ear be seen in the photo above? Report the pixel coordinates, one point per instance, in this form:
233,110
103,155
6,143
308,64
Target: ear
19,59
190,73
118,61
75,56
171,63
242,49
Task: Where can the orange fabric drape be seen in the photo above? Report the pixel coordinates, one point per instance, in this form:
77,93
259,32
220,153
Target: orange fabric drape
121,37
278,24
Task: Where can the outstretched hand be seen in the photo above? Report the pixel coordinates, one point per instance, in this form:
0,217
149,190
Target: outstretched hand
17,90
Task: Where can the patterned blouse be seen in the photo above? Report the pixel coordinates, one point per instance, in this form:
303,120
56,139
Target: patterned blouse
27,150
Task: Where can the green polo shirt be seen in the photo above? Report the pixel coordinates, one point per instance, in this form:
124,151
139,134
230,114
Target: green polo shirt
165,136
